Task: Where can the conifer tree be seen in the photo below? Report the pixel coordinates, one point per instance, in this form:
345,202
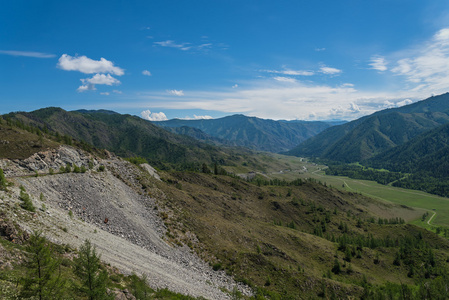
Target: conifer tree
87,268
42,279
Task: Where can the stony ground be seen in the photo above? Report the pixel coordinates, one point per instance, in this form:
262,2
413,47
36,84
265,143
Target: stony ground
108,209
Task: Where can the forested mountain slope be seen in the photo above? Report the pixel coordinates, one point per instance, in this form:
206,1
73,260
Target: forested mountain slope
370,135
125,135
251,132
427,152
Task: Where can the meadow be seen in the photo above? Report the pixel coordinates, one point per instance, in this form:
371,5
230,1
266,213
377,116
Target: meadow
290,168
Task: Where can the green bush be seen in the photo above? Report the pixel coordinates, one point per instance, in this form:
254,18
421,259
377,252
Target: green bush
26,202
3,182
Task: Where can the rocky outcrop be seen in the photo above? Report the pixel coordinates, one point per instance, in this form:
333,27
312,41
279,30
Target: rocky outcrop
43,162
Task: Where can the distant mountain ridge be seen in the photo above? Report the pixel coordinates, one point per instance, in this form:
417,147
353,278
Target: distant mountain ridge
124,135
371,135
250,132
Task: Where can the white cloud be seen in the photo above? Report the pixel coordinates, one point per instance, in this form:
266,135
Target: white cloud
195,117
290,72
320,49
176,92
86,65
329,70
105,94
392,104
204,47
404,102
235,86
117,91
27,53
172,44
86,87
148,115
426,67
345,85
284,79
101,79
378,63
89,83
207,45
146,73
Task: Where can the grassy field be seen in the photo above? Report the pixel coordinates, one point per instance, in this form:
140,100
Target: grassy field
290,168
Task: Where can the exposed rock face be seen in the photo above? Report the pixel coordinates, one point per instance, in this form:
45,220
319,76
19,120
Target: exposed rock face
11,232
77,205
42,162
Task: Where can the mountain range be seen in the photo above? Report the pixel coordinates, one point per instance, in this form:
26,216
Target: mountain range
251,132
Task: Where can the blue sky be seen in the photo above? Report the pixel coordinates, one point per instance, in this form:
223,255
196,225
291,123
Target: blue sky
308,60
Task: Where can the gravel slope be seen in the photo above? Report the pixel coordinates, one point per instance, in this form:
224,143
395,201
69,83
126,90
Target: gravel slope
132,237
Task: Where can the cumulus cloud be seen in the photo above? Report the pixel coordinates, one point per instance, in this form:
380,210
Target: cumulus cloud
105,94
27,53
404,102
148,115
393,104
330,71
235,86
86,65
378,63
117,91
146,73
176,92
101,79
89,83
86,87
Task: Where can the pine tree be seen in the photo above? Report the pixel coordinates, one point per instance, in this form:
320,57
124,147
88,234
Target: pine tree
87,268
42,279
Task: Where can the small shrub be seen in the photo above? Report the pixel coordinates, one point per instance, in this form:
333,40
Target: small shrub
76,169
2,180
101,168
216,267
26,201
51,171
83,169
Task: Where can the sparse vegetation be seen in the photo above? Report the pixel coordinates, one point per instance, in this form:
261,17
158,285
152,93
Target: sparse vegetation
3,183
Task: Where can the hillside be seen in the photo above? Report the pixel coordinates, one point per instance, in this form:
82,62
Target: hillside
279,239
125,135
250,132
371,135
426,152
